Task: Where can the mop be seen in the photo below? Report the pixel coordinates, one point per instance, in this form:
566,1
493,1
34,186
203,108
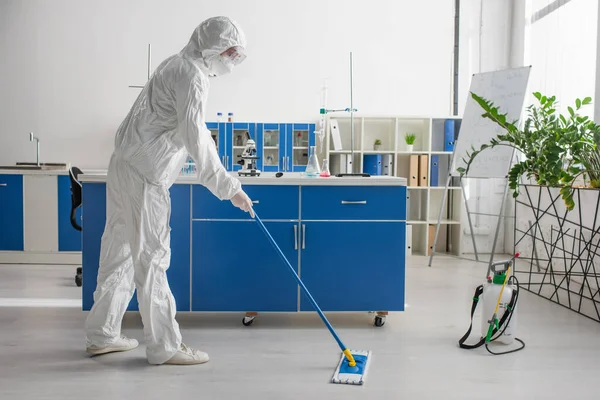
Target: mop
353,364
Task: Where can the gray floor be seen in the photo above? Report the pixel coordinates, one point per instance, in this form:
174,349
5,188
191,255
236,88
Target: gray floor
415,355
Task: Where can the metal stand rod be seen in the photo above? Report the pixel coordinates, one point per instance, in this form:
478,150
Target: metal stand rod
437,229
149,60
149,68
500,220
351,117
537,258
462,187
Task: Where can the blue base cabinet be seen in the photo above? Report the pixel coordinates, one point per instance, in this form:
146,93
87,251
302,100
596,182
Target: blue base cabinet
347,243
235,269
178,274
11,213
69,238
348,266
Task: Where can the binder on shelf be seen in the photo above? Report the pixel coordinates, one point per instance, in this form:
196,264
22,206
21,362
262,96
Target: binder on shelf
435,165
423,170
340,165
408,213
409,240
430,238
387,164
372,164
335,134
449,135
413,171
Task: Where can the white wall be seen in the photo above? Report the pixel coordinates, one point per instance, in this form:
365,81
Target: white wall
485,40
597,91
67,64
489,32
562,48
562,51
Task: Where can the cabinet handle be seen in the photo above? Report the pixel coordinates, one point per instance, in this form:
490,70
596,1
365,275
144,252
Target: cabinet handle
295,237
254,201
289,166
303,236
354,202
3,184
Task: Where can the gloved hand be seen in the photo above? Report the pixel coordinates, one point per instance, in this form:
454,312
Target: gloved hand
243,202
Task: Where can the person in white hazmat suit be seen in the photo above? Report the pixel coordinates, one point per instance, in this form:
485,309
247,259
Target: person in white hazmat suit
165,124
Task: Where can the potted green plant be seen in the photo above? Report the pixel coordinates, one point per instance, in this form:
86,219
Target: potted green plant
377,145
555,149
410,138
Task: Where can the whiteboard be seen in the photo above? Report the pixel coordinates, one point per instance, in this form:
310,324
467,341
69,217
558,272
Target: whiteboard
506,90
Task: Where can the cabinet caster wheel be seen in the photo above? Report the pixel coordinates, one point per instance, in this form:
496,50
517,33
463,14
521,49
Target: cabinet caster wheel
379,321
78,280
247,321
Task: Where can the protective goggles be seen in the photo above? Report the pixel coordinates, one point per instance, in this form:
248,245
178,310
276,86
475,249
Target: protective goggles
235,55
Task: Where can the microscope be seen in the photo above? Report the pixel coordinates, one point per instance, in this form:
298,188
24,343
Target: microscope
249,159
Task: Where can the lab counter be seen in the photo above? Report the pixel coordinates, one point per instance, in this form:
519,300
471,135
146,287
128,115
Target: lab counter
287,178
35,223
345,237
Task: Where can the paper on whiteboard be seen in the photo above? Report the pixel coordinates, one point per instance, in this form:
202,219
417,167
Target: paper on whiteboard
505,89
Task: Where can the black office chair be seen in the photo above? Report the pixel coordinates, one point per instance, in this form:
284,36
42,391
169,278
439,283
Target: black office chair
74,173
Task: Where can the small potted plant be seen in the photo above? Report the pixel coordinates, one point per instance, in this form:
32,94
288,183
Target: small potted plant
377,145
410,141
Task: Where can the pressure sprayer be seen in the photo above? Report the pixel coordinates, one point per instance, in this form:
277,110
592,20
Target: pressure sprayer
500,292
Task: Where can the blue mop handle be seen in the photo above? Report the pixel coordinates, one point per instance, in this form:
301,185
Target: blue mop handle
314,303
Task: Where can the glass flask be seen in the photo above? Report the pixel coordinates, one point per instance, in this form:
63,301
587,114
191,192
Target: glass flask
312,168
325,170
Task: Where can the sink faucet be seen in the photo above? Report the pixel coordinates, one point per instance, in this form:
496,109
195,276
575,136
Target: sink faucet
31,139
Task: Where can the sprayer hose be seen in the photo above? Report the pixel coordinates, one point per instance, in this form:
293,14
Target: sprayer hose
506,326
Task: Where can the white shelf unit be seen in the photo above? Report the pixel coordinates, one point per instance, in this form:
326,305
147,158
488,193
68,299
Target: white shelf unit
423,203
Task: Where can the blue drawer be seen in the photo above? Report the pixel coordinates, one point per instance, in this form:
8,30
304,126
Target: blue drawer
270,202
354,203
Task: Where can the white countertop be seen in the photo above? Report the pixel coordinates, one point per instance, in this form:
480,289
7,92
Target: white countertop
25,171
288,178
49,172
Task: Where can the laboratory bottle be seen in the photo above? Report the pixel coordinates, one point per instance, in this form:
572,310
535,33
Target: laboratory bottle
219,117
230,117
325,169
312,168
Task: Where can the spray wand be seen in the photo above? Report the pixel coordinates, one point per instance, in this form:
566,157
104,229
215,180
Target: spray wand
494,322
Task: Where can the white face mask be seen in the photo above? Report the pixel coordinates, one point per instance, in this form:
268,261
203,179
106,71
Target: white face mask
220,65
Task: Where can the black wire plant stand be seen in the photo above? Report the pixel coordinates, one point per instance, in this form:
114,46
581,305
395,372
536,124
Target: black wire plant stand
559,248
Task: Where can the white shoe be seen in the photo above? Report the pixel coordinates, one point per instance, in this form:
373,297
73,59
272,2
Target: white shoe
122,344
188,356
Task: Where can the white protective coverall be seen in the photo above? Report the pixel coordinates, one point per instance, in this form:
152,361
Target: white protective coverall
166,122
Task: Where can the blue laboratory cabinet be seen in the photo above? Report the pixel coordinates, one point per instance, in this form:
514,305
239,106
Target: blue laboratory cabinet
217,132
298,139
236,133
280,146
338,238
69,238
11,213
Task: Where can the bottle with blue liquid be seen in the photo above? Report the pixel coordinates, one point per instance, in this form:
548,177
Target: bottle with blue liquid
189,168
